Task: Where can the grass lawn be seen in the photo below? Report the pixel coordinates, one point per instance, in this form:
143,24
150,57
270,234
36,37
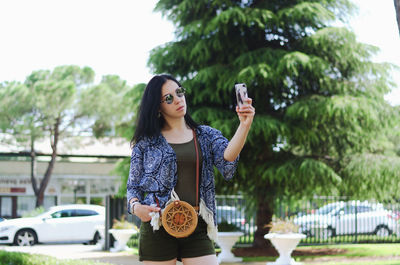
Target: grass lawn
19,258
361,250
383,262
354,254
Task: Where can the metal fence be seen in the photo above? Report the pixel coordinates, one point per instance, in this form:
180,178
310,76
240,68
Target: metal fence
333,220
115,209
325,220
232,210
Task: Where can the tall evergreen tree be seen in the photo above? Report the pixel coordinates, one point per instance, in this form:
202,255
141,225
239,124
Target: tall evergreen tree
321,120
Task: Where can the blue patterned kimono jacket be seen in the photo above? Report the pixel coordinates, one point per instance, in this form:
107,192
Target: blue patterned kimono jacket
153,172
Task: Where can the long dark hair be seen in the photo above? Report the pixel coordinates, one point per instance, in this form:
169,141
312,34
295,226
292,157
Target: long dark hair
149,123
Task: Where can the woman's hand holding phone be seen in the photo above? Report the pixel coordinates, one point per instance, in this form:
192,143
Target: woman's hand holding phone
244,108
246,113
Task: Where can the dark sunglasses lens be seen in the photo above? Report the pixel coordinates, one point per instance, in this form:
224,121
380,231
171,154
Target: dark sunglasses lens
169,98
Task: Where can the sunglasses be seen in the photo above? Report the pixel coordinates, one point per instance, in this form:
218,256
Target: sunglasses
169,98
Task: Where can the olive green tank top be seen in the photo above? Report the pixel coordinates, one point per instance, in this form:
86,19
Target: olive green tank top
186,160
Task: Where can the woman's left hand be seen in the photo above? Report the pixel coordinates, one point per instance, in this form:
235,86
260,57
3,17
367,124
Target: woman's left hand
246,113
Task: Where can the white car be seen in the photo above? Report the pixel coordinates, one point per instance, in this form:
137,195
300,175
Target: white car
65,223
348,218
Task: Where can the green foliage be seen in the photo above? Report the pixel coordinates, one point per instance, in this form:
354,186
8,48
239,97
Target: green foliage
123,224
227,227
280,226
125,129
322,125
34,212
19,258
122,169
107,105
61,103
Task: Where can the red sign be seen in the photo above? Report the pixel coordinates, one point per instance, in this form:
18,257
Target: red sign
17,190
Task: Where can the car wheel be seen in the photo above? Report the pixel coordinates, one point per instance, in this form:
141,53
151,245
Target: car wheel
25,237
382,231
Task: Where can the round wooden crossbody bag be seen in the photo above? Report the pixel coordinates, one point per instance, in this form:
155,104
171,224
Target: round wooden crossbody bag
179,218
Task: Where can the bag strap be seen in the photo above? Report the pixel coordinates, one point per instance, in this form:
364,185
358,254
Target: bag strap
197,169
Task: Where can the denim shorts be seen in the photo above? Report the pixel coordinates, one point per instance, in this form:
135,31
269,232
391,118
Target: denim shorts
160,246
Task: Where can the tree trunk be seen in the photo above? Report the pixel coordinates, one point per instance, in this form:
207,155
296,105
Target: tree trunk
397,9
50,167
33,171
33,168
264,217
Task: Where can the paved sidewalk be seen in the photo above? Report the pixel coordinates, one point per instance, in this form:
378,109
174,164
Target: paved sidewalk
88,252
78,251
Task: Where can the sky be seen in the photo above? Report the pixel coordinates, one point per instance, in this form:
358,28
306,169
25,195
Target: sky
116,36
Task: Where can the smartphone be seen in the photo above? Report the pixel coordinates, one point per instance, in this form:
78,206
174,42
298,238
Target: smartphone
241,94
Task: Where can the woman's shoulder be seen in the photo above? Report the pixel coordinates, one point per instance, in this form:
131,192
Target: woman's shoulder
146,141
205,129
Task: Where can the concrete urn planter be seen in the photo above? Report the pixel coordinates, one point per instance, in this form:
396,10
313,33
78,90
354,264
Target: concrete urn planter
284,244
226,240
121,236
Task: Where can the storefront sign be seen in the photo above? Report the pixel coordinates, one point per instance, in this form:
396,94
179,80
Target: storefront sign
12,190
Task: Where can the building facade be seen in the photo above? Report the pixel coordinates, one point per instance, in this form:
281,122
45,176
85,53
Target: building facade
80,176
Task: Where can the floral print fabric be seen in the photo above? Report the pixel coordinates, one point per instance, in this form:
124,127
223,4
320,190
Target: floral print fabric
153,169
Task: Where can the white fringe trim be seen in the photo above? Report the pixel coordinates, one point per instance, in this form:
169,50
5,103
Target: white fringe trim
155,219
208,216
156,216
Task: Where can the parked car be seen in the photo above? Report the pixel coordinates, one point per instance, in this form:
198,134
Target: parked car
348,218
66,223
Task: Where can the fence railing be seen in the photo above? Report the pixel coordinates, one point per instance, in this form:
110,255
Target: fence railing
115,208
324,220
328,220
232,210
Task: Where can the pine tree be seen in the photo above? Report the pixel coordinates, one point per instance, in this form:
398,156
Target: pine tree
56,105
321,121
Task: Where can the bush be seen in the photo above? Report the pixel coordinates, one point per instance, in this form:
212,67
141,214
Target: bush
281,226
227,227
34,212
123,224
18,258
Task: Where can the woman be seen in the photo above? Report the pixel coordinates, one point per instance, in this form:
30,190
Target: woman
164,162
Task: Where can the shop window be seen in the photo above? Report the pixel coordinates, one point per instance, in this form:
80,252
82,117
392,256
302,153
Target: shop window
25,204
6,207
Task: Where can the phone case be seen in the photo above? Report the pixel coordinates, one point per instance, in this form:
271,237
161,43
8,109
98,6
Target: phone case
241,94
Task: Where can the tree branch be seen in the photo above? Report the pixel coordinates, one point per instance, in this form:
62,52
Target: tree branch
50,166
